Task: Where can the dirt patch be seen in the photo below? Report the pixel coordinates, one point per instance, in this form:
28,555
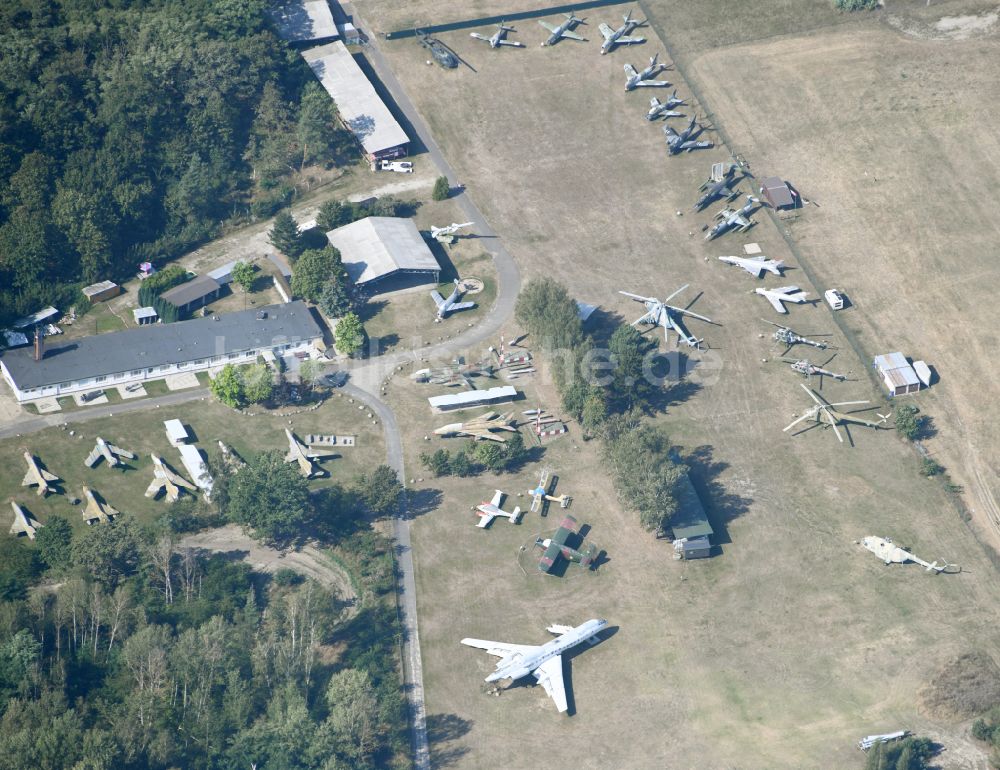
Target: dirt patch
964,688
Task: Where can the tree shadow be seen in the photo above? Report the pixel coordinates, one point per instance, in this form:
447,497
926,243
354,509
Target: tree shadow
444,728
416,146
420,502
371,308
678,392
602,324
926,428
379,345
721,505
449,272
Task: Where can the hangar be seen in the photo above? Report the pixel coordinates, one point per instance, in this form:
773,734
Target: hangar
375,249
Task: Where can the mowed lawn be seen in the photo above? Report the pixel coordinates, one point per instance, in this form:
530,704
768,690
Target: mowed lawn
792,643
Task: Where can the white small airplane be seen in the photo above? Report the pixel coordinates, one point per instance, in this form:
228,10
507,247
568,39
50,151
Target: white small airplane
304,456
165,479
665,109
499,37
109,452
96,511
783,294
489,511
37,476
23,524
543,661
563,30
620,36
756,265
635,79
450,305
891,553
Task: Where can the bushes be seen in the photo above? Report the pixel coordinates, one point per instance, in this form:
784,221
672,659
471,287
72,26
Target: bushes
334,214
157,283
856,5
908,424
238,386
477,457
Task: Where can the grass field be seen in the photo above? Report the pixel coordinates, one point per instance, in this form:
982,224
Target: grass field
143,433
794,642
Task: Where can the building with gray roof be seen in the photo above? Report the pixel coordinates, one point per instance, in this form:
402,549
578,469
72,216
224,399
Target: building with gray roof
156,351
303,21
376,248
192,294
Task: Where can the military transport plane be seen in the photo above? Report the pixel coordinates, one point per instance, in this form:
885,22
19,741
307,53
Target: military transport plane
563,30
37,476
668,316
489,511
635,79
450,305
620,36
109,452
658,109
685,140
543,661
756,265
499,38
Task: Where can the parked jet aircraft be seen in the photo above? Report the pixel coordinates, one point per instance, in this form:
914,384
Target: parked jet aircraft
37,476
489,511
109,452
620,36
166,479
756,265
783,294
95,510
450,305
543,661
667,316
24,523
455,374
563,30
635,79
658,109
481,427
733,219
556,547
715,189
499,38
685,140
305,456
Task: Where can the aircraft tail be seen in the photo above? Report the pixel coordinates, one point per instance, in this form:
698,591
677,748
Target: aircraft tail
515,517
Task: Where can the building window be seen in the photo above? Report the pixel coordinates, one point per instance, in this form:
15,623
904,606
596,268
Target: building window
136,372
232,356
102,378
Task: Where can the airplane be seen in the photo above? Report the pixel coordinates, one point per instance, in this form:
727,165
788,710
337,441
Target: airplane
823,413
808,369
789,338
729,219
541,493
635,79
230,458
714,189
563,30
487,511
556,547
616,37
446,234
304,456
37,476
891,553
667,316
756,265
783,294
658,109
480,427
870,740
165,479
458,372
499,38
109,452
543,661
450,305
24,523
96,510
685,140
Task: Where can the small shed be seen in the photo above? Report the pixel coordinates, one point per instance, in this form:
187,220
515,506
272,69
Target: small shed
35,319
224,273
99,292
584,311
897,374
690,525
350,34
193,294
777,193
176,432
145,315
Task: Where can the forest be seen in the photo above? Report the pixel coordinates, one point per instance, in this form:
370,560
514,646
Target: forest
133,130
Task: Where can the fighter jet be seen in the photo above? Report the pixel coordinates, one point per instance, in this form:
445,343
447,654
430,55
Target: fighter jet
563,30
555,547
499,38
891,553
450,305
634,79
714,189
489,511
455,374
230,459
24,523
777,297
824,413
668,316
685,140
95,510
446,234
481,427
730,219
756,265
620,36
165,479
658,109
37,476
304,456
109,452
544,661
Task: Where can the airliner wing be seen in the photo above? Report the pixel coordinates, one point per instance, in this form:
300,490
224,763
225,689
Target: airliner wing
500,649
606,31
550,676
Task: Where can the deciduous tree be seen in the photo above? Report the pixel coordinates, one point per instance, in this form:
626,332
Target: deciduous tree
349,334
270,499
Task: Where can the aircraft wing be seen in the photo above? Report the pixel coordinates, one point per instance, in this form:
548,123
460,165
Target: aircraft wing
314,452
92,458
550,27
775,301
549,558
462,306
630,40
573,35
500,649
497,498
550,676
485,519
566,528
438,299
121,452
292,455
606,31
630,71
155,486
29,479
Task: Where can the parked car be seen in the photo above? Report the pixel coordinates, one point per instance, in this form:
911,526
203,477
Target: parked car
399,166
334,379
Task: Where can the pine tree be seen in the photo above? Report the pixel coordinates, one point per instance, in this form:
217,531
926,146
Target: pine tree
285,236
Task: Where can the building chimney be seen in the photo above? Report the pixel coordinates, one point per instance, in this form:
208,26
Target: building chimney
38,344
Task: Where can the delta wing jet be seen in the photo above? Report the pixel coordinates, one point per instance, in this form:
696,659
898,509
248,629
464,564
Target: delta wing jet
37,476
24,522
96,510
165,479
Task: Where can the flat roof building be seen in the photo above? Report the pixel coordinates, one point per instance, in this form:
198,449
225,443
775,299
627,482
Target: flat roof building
359,106
897,374
98,292
470,398
154,351
43,315
376,248
303,21
193,294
